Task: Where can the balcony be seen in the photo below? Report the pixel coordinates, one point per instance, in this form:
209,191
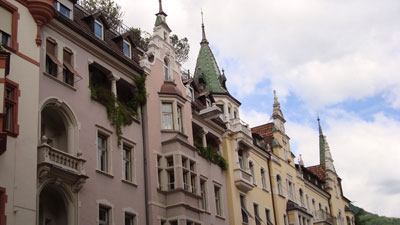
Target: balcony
61,166
211,112
237,125
323,218
243,180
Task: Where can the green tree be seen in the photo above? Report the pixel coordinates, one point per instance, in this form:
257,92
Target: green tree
141,39
181,47
110,9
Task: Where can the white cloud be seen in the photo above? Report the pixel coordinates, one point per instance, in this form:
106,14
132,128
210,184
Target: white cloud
322,51
366,156
254,118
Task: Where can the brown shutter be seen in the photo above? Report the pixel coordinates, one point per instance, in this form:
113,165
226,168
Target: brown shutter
51,50
67,62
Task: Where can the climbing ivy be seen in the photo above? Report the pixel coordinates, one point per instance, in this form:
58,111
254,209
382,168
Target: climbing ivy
120,114
212,156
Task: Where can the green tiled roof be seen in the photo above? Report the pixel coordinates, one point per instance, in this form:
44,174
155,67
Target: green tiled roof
207,68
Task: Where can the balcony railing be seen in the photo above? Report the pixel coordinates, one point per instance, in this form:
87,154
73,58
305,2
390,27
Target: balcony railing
237,125
243,180
47,154
322,216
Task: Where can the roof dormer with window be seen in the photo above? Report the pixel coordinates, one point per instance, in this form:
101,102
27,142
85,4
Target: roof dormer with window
98,23
65,7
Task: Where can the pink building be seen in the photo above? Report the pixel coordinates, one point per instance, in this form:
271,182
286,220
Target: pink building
90,143
185,187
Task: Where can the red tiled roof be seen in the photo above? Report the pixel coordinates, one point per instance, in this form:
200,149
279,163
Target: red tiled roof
318,170
265,131
80,25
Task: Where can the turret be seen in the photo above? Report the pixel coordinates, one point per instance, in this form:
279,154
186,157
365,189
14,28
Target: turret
277,115
325,155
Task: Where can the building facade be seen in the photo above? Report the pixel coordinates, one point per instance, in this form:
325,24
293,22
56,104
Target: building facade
95,130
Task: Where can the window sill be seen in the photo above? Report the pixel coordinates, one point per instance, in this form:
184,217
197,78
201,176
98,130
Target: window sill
265,190
105,173
11,133
129,183
220,217
59,81
282,196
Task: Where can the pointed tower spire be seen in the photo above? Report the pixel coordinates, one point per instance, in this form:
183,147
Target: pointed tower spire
204,39
321,144
277,112
207,69
160,11
301,162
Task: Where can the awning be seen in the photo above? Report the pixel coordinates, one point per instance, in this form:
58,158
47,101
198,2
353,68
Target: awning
247,212
71,68
54,59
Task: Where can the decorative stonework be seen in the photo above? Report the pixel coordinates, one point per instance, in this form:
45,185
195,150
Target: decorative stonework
42,12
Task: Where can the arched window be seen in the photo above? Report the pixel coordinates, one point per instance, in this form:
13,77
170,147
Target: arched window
279,183
313,204
166,69
241,161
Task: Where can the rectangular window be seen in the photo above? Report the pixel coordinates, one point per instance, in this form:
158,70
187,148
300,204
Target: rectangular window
3,200
193,183
68,75
65,11
98,29
104,215
203,194
167,116
257,215
245,214
268,216
129,219
10,122
5,26
52,62
127,163
185,180
127,49
180,119
102,151
159,157
217,195
171,180
5,38
263,179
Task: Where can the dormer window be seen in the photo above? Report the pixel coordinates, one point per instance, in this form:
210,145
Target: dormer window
62,9
127,49
98,29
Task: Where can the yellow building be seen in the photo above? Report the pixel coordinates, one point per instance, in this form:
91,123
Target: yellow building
302,195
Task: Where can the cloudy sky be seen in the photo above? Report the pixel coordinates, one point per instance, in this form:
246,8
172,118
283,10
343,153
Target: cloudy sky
339,59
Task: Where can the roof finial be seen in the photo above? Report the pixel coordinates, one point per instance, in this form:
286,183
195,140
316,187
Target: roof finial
160,11
319,125
301,162
204,39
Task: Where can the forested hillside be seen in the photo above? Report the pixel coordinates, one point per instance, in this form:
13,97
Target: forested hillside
366,218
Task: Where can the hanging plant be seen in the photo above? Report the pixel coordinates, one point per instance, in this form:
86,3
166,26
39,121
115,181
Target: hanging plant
120,114
212,156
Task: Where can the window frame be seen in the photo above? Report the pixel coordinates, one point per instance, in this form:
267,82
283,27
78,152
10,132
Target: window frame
67,73
108,166
167,76
129,48
3,201
101,25
218,200
8,84
263,179
169,114
108,214
132,172
133,217
203,194
14,46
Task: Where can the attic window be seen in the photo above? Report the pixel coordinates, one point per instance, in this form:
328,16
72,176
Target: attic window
98,29
127,49
62,9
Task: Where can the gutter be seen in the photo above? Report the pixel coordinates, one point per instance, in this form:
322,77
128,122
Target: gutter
146,192
272,192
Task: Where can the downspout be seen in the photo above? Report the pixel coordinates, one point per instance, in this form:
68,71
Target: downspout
272,192
146,192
